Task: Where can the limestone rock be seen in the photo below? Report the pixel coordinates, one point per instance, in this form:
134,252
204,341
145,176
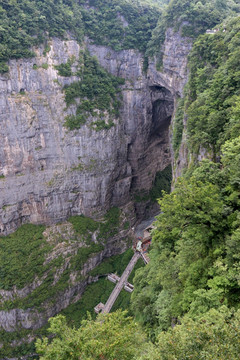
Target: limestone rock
39,156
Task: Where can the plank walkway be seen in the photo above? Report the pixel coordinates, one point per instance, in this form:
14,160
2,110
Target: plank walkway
116,291
145,257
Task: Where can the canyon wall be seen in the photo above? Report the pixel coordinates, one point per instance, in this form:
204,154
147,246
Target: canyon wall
47,172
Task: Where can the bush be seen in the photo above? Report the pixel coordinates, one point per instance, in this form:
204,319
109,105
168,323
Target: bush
98,92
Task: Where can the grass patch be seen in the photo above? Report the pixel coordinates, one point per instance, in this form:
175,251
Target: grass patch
83,224
45,66
110,226
106,228
22,255
46,49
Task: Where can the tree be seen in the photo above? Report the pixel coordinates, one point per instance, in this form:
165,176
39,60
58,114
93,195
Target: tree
111,336
214,336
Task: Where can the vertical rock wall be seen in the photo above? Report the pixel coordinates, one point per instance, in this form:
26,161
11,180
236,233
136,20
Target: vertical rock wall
47,172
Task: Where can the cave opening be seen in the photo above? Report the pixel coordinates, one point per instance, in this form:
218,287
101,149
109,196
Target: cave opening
161,117
153,171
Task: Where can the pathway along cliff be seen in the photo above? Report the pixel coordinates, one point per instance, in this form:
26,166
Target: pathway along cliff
116,291
141,248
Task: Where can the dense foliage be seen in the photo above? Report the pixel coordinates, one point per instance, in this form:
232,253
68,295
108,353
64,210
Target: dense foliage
106,228
22,256
27,23
102,289
113,336
27,256
119,24
214,336
98,91
214,88
192,17
195,256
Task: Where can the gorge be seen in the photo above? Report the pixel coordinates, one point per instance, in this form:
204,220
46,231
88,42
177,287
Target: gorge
40,180
91,123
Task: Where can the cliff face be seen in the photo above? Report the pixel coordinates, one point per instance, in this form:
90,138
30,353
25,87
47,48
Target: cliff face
48,172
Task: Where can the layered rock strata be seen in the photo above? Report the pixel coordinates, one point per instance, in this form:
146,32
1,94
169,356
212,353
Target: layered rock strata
41,180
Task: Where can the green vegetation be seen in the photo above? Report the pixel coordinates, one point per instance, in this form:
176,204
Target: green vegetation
65,69
25,24
44,66
108,227
178,126
83,255
198,15
195,252
194,259
193,17
92,340
213,96
102,125
3,67
162,184
46,49
83,225
99,94
113,336
214,336
76,312
21,256
118,24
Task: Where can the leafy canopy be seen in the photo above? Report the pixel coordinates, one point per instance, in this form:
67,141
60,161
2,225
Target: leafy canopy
111,336
119,24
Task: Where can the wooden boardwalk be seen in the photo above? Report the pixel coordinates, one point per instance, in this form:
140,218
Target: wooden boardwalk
116,291
145,257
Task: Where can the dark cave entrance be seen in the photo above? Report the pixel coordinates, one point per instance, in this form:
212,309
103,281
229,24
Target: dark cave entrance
162,110
161,117
153,172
